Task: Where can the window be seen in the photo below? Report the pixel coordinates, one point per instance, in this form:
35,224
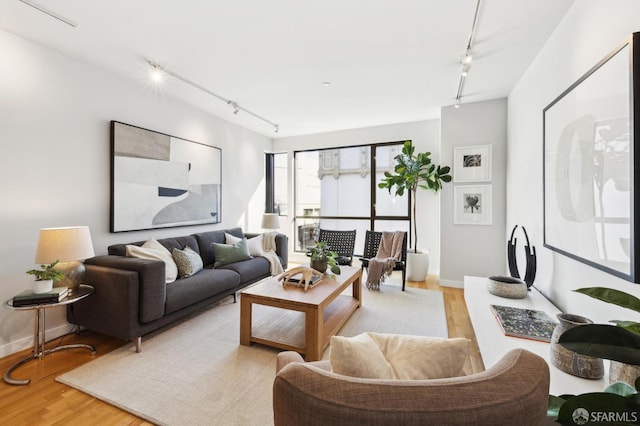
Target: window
334,189
276,183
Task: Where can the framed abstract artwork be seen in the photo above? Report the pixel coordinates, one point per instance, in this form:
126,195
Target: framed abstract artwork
472,205
162,181
472,163
590,163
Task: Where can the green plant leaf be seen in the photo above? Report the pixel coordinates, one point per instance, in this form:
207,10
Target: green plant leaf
603,341
620,388
613,296
555,402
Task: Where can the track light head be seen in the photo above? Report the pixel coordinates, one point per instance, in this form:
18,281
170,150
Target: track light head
467,58
456,104
277,128
156,72
465,70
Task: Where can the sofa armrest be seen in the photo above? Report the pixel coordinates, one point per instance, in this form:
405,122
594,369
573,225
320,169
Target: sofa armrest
112,309
152,295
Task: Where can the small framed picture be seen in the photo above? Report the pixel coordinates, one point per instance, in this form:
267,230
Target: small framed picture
472,205
472,163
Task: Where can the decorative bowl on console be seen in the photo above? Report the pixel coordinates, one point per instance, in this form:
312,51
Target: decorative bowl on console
509,287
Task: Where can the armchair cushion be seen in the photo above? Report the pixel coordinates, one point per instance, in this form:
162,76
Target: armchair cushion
400,357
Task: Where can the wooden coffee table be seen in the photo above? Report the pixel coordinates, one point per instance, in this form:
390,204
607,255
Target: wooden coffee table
325,310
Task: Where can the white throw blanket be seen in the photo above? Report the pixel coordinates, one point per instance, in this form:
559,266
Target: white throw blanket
269,246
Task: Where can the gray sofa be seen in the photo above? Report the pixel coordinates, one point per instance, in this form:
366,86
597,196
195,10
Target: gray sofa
131,298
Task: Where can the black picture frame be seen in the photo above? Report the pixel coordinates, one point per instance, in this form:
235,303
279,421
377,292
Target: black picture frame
591,166
162,181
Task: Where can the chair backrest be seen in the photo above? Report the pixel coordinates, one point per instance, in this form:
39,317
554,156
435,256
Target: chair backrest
342,242
513,391
372,242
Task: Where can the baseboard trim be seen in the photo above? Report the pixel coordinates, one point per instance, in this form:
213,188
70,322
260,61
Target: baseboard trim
451,283
27,342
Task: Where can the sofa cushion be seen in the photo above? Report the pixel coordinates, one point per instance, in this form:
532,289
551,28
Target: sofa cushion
153,250
205,239
255,244
408,357
188,261
230,253
168,243
206,283
251,270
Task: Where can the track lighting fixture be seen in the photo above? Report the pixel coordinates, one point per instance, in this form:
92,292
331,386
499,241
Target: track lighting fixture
50,13
159,70
466,59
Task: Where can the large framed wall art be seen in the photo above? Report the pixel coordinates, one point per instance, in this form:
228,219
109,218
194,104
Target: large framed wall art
162,181
591,166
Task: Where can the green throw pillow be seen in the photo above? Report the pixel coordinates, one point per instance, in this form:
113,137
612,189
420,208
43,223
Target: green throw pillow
188,261
229,253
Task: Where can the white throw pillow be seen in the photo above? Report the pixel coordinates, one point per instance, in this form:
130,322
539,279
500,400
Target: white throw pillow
395,356
254,244
152,249
358,356
422,357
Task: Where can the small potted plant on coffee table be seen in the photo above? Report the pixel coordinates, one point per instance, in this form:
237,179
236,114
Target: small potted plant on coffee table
45,276
322,257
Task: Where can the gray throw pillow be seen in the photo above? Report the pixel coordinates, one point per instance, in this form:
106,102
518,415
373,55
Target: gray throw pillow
188,261
230,253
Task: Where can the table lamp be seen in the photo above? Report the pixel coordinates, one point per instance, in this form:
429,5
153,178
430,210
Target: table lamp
270,221
70,245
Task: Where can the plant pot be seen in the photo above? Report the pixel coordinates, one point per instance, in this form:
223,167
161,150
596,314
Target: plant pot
569,361
319,265
417,265
621,372
42,286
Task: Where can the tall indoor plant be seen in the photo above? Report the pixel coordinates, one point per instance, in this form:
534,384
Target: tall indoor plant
412,171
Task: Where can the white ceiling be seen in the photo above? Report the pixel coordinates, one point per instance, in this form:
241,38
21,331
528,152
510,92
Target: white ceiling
388,61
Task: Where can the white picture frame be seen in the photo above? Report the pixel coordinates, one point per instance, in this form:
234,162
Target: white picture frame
472,163
472,205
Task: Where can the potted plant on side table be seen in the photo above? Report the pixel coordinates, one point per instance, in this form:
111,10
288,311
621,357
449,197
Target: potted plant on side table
45,276
412,171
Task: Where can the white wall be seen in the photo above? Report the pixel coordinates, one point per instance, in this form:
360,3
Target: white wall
54,168
425,136
477,250
587,33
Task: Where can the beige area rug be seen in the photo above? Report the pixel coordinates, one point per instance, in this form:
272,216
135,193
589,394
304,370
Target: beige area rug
197,373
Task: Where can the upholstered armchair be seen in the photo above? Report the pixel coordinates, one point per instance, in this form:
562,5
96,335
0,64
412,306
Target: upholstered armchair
514,391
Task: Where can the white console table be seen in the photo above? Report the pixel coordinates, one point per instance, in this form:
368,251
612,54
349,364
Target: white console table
493,344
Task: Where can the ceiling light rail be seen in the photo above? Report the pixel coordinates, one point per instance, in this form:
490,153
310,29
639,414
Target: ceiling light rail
50,13
236,107
466,59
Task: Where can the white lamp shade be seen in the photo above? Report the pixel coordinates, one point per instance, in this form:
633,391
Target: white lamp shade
64,244
270,221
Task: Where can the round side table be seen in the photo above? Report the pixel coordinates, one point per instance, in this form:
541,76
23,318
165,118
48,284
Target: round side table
39,340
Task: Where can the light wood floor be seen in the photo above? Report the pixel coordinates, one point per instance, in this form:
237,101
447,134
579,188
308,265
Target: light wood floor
47,402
